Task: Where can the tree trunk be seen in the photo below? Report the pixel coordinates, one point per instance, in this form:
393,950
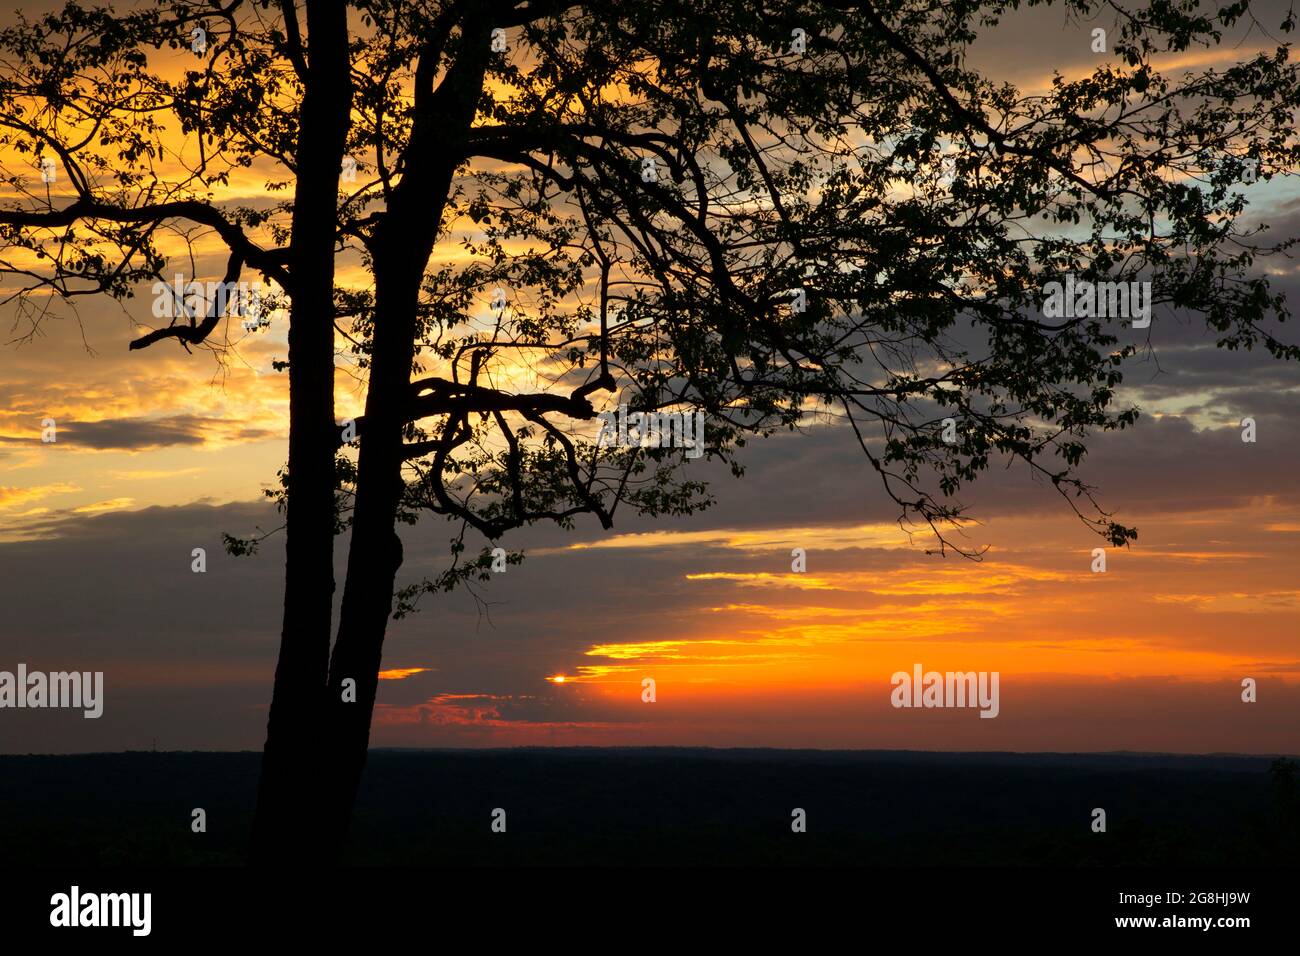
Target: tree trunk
401,247
286,827
375,551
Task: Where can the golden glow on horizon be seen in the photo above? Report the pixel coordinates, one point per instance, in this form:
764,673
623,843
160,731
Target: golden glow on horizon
401,673
1032,608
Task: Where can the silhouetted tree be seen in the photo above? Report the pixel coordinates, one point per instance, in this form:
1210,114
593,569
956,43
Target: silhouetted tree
765,212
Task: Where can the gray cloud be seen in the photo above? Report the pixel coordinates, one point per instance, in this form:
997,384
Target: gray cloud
139,434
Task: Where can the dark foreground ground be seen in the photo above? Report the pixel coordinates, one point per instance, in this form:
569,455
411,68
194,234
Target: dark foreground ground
677,806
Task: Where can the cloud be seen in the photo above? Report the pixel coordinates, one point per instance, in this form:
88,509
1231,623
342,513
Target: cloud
13,497
402,673
140,434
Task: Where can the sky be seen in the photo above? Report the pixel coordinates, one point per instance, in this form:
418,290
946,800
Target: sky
160,452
